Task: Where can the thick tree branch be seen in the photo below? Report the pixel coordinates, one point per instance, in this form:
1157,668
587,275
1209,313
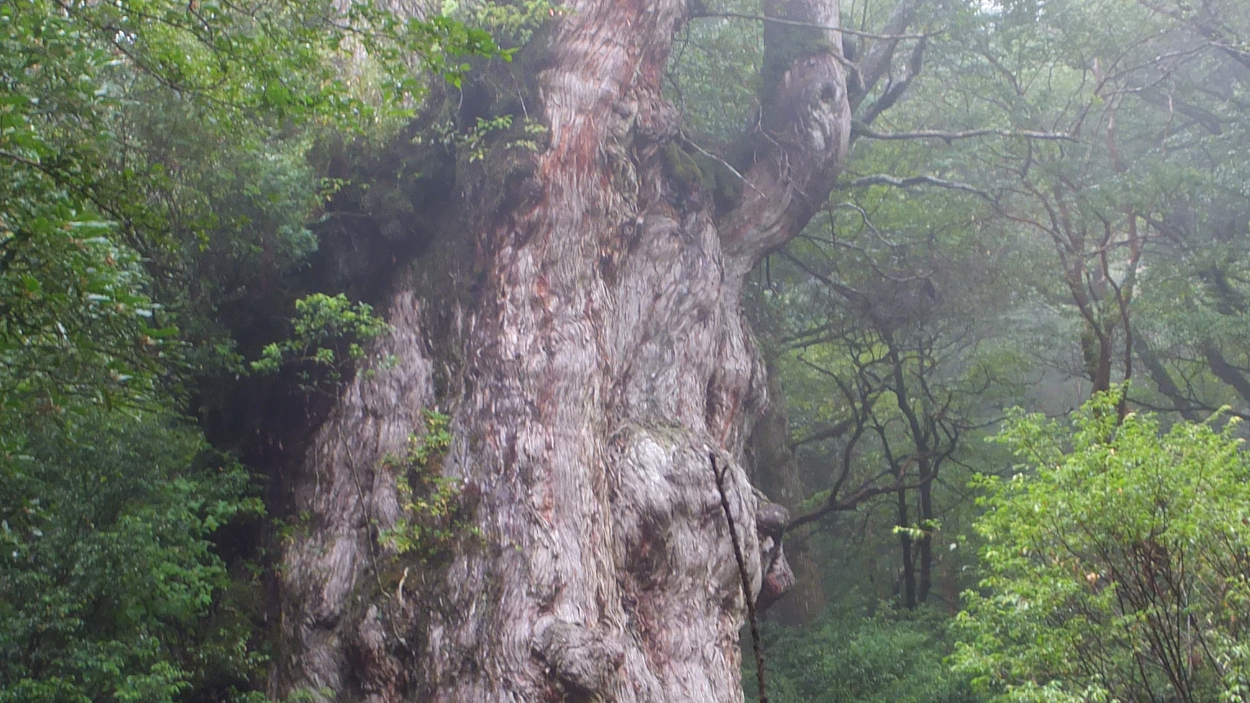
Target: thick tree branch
1163,380
1209,120
851,502
893,91
1225,371
876,61
833,432
802,136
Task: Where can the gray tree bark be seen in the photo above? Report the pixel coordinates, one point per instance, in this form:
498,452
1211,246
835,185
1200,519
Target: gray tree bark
597,362
776,471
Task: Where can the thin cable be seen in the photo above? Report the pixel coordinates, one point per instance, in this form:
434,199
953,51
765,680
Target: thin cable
746,580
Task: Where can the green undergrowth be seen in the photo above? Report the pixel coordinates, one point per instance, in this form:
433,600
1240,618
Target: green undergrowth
435,510
845,656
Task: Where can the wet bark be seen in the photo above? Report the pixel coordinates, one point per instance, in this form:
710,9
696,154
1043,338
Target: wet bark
599,357
907,576
775,469
925,543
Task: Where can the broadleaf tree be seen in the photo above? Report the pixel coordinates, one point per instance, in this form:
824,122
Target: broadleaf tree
1114,563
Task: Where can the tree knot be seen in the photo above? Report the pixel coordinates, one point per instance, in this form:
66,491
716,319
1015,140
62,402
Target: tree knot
578,658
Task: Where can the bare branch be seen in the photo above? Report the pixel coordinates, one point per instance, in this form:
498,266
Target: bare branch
794,23
862,130
833,432
882,179
852,501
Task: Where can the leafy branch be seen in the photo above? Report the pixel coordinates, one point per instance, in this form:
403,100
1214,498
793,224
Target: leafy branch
329,333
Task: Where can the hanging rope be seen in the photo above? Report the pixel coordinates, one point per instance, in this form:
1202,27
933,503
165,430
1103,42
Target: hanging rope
746,580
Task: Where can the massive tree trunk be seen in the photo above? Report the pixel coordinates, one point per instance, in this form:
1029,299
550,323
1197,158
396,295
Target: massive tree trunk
597,361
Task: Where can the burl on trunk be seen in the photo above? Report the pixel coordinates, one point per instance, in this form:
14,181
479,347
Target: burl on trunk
600,358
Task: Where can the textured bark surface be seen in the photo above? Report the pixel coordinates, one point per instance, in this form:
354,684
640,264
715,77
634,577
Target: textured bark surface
602,358
343,489
775,470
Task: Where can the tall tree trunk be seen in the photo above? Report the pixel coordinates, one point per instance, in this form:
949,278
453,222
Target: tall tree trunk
598,360
925,543
907,577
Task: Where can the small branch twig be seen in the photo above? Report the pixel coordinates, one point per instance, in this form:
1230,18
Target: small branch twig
722,162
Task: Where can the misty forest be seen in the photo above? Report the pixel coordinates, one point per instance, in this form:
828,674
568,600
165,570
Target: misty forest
624,351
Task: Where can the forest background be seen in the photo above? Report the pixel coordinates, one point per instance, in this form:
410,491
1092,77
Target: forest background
1045,206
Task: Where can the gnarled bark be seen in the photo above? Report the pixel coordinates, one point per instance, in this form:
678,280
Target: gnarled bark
602,356
776,470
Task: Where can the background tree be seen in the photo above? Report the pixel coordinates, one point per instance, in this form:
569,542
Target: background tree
151,170
1048,144
113,589
1127,549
